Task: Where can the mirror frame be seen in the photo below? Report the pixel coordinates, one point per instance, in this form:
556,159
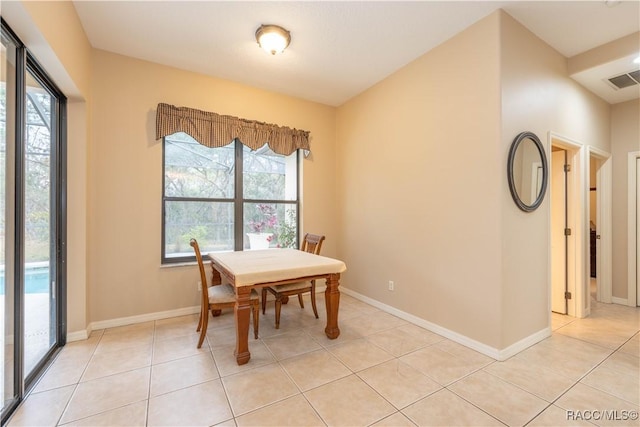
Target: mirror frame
545,171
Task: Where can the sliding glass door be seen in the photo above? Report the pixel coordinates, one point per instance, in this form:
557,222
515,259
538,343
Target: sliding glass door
39,225
7,219
32,220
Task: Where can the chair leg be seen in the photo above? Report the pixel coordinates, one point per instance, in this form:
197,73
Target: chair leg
199,322
278,307
313,300
300,301
264,299
203,332
256,319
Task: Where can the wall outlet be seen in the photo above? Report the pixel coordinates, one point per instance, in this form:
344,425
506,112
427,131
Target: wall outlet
391,285
199,286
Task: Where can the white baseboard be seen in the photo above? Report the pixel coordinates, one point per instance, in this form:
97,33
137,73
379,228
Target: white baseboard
78,335
524,344
621,301
123,321
492,352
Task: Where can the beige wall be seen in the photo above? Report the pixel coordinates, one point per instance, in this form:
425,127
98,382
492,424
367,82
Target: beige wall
625,138
54,34
420,173
427,204
537,96
126,177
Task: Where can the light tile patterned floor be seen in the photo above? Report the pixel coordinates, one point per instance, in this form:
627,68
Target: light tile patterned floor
381,371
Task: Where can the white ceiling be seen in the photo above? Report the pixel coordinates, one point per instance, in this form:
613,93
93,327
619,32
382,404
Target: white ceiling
338,49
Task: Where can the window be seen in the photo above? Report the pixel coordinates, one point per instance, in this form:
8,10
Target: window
228,198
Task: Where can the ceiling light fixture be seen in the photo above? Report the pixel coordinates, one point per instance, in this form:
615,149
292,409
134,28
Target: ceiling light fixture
273,38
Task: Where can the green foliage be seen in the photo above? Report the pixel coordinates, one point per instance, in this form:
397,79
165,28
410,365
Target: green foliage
198,232
288,231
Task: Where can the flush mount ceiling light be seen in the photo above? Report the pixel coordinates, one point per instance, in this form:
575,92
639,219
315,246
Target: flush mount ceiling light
273,38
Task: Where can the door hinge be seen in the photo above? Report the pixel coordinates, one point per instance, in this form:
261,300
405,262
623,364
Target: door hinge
567,168
567,295
567,232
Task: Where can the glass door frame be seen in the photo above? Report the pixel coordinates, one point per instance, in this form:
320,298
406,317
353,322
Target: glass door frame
57,221
26,63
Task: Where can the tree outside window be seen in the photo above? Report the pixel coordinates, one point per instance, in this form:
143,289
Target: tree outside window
226,196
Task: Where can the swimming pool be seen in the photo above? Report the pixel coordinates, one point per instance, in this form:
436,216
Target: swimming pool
36,280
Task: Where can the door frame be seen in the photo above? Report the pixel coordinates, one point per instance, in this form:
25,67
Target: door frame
632,294
577,214
604,186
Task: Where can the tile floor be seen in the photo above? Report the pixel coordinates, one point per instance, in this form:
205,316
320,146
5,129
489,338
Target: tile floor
381,371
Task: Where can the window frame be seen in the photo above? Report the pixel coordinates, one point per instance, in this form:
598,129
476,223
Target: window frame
238,203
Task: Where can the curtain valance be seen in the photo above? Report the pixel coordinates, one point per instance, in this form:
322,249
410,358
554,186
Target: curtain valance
214,130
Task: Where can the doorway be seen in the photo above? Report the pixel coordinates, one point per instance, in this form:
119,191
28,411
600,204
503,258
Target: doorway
594,235
568,231
633,230
600,242
637,231
32,220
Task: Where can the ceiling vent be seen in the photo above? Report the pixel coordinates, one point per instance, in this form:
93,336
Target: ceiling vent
625,80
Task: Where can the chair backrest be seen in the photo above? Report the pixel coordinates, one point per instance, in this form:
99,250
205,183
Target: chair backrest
312,243
203,276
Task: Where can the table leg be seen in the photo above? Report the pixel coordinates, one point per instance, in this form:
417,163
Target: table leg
242,311
332,301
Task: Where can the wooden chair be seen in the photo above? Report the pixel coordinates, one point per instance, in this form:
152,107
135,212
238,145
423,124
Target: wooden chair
219,297
311,243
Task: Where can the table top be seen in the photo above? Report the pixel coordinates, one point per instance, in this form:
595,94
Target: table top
273,265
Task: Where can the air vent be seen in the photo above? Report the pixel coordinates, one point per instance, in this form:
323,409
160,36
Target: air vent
625,80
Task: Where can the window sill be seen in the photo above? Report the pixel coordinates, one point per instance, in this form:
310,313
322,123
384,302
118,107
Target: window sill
179,264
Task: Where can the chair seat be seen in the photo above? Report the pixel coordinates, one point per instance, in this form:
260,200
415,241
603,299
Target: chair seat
310,243
222,294
291,286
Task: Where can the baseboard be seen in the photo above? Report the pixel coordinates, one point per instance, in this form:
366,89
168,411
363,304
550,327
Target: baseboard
524,344
78,335
621,301
492,352
123,321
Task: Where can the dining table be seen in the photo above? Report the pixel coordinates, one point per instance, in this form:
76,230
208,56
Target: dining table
254,269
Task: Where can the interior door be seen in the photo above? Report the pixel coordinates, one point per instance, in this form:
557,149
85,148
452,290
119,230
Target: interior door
558,238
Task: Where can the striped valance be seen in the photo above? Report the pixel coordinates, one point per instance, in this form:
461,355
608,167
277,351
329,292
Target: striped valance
214,130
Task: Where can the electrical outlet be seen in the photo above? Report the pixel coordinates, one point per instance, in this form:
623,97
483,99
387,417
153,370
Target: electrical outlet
199,286
391,285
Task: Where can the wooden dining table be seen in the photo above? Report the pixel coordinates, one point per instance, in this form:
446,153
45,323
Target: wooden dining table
254,269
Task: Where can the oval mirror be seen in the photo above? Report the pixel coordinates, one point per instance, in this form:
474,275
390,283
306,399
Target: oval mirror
527,171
